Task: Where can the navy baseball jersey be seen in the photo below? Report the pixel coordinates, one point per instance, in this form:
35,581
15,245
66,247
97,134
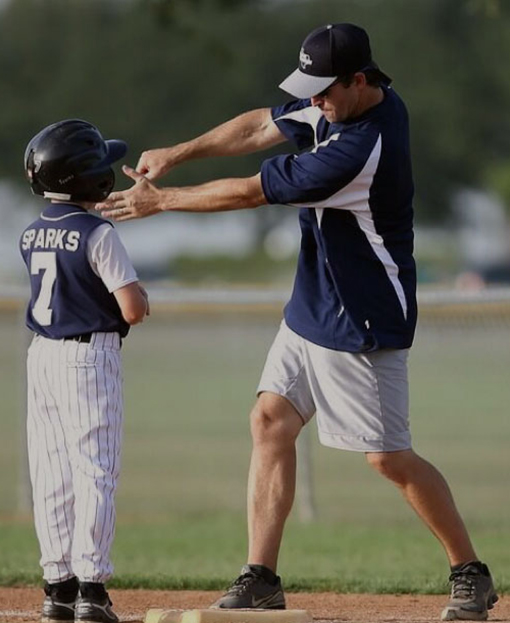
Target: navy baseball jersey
355,287
67,297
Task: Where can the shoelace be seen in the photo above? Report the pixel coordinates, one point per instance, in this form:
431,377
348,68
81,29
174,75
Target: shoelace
239,586
463,585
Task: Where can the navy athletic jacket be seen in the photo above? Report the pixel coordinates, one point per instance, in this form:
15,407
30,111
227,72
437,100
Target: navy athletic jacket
355,287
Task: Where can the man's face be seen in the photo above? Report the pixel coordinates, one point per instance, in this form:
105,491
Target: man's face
339,102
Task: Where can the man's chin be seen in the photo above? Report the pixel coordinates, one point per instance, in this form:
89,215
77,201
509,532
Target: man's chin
329,116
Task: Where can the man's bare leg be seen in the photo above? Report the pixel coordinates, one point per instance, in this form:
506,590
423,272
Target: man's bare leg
426,490
275,426
429,495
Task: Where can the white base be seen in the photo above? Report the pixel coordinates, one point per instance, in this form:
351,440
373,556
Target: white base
213,615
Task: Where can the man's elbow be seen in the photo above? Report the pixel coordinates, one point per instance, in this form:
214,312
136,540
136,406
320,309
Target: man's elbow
252,193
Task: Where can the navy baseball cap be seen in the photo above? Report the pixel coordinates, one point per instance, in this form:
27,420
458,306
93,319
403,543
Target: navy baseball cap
328,53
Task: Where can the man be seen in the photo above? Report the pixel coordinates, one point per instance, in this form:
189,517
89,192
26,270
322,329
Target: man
341,352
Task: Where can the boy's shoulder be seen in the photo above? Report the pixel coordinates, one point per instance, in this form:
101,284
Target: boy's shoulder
69,215
62,228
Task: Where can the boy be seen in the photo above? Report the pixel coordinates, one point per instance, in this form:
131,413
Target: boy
84,296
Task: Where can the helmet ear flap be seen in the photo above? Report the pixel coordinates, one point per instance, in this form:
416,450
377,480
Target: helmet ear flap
104,184
31,169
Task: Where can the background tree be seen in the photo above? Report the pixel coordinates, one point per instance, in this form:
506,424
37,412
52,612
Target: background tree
155,72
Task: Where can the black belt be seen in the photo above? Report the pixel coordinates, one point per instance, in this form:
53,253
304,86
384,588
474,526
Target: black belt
84,337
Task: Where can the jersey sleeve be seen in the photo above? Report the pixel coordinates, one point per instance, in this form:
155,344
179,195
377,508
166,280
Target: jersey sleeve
108,258
297,121
315,176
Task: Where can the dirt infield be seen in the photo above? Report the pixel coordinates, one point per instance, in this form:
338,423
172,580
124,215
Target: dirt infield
22,605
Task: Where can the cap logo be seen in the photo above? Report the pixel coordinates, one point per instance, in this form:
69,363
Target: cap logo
304,59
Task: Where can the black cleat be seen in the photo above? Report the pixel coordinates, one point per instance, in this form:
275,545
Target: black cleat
60,601
252,591
94,605
472,594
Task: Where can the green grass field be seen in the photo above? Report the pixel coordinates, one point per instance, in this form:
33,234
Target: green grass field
189,385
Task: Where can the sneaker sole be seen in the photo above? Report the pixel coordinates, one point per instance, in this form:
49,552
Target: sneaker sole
271,603
98,619
458,614
57,619
245,609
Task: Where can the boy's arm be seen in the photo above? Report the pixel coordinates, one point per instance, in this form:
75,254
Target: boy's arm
108,258
133,302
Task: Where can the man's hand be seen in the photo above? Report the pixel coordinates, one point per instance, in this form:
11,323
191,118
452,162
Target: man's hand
139,201
157,162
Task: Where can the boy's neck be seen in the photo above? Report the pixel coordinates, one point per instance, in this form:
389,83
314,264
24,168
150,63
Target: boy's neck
86,205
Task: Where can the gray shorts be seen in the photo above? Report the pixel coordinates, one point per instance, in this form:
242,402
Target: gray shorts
361,399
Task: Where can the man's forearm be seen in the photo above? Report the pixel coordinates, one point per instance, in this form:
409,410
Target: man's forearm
217,196
250,132
144,198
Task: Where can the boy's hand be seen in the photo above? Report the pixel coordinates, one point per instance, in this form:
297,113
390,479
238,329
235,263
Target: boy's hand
146,297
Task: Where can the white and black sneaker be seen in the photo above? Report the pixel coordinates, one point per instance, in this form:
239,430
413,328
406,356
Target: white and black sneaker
256,588
94,604
472,593
60,601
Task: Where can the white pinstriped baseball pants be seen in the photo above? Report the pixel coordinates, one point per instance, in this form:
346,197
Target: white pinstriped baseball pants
74,430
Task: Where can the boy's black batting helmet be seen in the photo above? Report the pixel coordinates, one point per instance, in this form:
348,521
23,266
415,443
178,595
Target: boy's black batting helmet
70,160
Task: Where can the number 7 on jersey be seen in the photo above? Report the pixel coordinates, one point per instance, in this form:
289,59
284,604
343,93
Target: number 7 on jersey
46,261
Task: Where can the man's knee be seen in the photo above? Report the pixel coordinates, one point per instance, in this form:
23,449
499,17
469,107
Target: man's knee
393,465
273,418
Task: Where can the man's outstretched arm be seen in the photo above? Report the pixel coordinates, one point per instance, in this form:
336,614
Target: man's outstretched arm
144,198
247,133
